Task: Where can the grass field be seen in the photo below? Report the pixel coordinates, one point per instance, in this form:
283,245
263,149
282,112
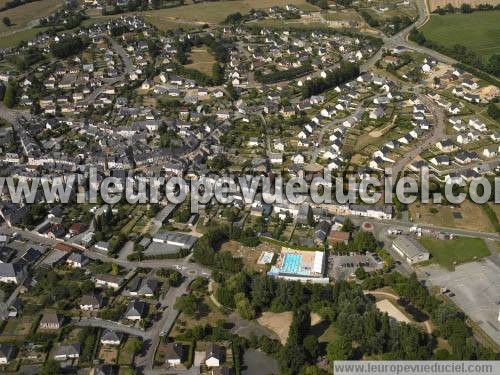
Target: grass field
448,253
22,15
472,216
478,31
201,60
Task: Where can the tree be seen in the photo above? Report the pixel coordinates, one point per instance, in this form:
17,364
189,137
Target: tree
186,304
6,21
311,346
243,306
466,8
115,269
51,367
339,349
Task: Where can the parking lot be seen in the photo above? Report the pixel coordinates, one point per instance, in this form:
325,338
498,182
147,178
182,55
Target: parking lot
341,267
475,288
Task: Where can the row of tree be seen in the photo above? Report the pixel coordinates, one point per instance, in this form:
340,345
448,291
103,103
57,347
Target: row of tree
346,72
465,8
283,75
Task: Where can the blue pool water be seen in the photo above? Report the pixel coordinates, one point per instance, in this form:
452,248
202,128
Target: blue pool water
291,263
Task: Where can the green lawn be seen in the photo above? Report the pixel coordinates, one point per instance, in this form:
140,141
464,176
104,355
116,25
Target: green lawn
459,250
478,31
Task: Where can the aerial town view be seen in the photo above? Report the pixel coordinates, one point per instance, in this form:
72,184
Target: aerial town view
249,187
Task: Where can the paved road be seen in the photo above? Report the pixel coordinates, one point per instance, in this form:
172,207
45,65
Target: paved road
437,133
113,326
358,111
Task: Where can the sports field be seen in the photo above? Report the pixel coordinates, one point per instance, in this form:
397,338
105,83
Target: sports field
478,31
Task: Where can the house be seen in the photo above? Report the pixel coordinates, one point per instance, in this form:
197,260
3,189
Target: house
143,287
440,160
321,231
104,369
490,152
111,338
174,354
7,353
275,158
90,302
109,281
65,352
214,355
135,310
50,321
446,145
337,236
77,260
102,246
11,272
298,159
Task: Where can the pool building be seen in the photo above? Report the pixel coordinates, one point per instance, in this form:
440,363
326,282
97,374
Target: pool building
306,266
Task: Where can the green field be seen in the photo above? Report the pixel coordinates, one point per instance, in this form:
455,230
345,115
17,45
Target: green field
478,31
459,250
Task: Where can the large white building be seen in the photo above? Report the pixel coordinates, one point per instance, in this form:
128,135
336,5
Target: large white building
411,250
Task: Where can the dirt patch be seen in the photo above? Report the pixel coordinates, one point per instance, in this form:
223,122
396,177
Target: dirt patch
108,354
472,216
249,255
279,323
388,307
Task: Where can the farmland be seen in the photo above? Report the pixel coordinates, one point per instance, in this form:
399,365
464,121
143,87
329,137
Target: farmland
24,15
478,31
216,12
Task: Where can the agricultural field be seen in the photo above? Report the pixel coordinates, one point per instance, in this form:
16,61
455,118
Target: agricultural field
478,31
25,15
448,253
216,12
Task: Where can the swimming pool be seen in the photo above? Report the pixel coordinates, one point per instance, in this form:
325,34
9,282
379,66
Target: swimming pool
291,263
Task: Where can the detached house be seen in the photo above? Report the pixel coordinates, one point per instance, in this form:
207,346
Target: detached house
90,302
215,355
51,321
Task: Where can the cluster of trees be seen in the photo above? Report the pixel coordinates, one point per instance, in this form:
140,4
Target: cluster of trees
64,290
206,250
346,72
27,58
68,46
140,6
369,19
494,111
323,4
71,20
450,322
465,8
174,277
283,75
10,97
460,53
390,25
